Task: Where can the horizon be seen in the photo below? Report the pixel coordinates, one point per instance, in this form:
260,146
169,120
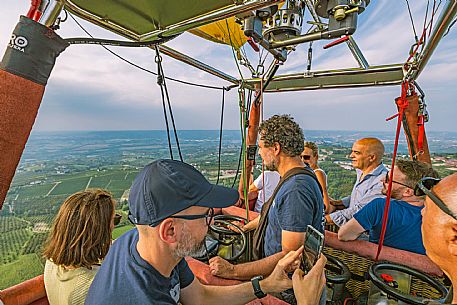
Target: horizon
178,130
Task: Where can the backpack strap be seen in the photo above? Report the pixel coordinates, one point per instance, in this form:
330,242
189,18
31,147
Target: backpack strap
259,234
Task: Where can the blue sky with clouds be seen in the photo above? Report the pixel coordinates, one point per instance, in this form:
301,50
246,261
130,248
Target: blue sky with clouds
90,89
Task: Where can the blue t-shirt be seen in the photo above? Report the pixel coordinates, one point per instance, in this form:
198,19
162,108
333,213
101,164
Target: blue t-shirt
403,227
297,204
125,278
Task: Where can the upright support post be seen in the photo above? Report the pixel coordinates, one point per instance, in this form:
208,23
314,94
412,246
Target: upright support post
414,134
24,72
251,140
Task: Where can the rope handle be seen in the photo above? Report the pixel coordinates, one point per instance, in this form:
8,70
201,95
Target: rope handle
402,104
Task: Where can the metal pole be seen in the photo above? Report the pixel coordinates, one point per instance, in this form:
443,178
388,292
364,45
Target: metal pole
441,26
297,40
51,11
174,29
197,64
211,17
313,13
345,78
357,53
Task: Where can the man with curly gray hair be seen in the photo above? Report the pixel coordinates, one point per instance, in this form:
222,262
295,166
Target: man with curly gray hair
296,203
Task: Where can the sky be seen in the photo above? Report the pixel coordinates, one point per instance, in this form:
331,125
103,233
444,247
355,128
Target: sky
90,89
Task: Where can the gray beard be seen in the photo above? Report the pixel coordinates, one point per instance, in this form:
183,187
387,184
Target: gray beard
188,245
273,166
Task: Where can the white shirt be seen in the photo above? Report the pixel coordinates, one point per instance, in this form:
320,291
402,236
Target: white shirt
271,179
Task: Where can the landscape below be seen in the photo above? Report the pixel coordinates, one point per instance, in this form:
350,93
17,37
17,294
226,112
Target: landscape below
57,164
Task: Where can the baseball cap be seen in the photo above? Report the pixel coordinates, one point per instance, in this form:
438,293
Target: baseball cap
166,187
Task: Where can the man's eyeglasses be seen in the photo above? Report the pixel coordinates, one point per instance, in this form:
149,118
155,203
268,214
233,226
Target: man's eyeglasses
424,187
209,216
305,157
393,181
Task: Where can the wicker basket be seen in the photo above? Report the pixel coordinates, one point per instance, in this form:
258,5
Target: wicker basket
359,267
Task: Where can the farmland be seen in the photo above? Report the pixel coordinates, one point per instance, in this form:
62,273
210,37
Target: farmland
47,174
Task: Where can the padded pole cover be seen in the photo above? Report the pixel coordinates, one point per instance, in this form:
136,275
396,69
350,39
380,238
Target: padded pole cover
253,130
24,70
411,130
32,51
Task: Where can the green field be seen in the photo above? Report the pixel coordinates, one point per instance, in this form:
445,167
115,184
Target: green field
12,243
24,268
35,190
118,231
70,186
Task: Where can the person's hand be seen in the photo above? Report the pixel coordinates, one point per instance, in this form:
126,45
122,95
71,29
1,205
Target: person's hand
308,288
335,202
330,209
278,280
328,219
238,224
221,268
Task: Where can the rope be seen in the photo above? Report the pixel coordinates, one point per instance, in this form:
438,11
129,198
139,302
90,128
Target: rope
159,82
238,168
243,131
220,138
261,119
412,21
402,104
163,88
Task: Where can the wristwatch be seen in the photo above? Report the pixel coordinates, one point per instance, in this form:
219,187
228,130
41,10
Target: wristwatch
256,286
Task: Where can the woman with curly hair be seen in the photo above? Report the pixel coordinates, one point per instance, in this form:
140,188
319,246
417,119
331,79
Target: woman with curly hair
79,240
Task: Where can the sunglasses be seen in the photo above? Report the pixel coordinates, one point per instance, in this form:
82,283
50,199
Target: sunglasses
117,219
305,157
424,187
393,181
209,216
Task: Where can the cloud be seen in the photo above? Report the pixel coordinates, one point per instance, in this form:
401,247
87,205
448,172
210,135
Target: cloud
91,89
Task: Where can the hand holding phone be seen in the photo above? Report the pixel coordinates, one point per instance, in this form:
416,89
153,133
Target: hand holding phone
314,243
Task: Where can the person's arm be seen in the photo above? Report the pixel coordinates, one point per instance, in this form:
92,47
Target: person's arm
252,225
350,231
253,188
199,294
322,181
343,216
222,268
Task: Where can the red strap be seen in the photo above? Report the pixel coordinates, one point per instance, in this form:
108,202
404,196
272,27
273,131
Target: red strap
402,104
37,15
420,136
334,43
253,45
35,4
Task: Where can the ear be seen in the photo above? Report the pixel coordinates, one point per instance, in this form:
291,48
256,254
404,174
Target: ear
408,192
277,148
167,231
372,158
452,246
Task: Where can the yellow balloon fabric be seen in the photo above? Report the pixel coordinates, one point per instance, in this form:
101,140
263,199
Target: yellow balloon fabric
224,31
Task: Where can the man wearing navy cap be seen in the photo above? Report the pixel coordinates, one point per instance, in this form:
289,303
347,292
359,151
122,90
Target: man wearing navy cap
171,204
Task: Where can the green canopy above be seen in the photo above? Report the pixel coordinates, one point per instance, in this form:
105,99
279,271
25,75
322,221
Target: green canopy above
139,18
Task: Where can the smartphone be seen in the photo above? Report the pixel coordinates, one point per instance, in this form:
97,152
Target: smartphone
314,243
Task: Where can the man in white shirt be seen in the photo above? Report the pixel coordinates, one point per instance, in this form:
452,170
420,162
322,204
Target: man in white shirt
265,184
